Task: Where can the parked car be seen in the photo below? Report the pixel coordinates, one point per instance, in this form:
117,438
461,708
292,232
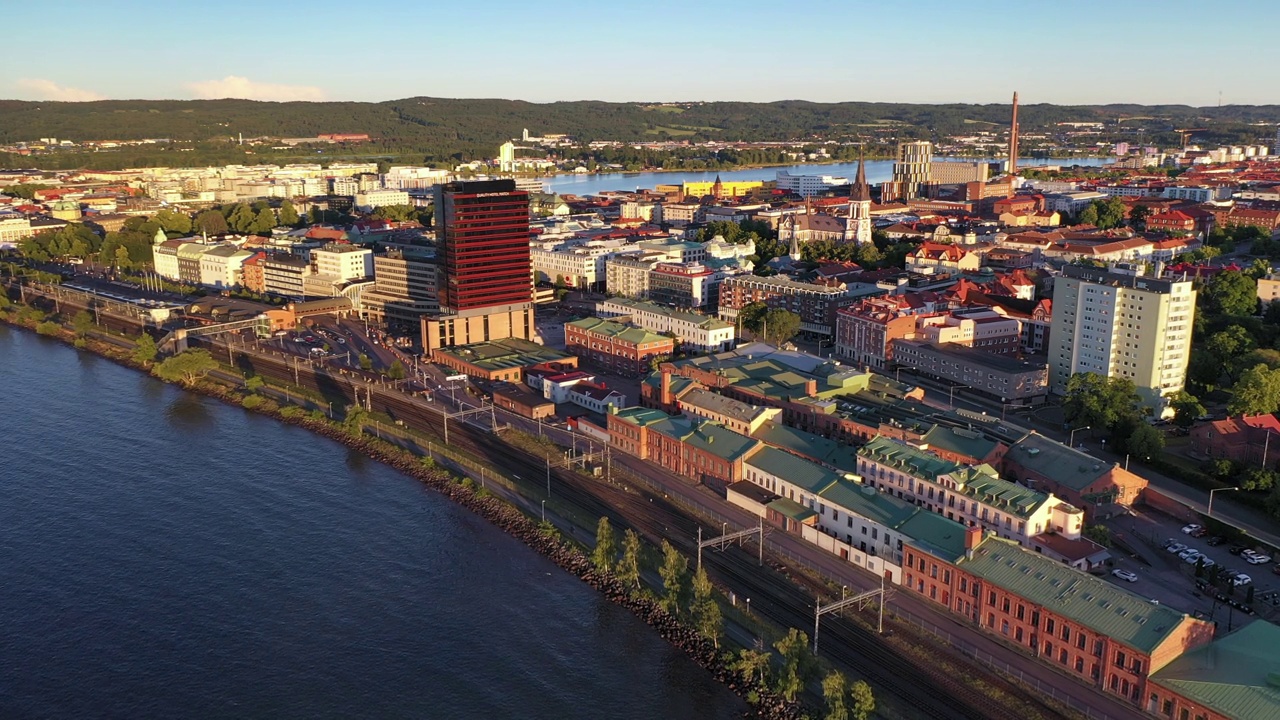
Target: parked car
1169,542
1125,575
1206,561
1188,529
1189,555
1176,548
1258,559
1236,549
1216,540
1241,580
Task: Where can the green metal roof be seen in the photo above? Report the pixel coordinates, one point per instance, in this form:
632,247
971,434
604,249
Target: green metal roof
1063,465
869,503
504,354
1237,675
641,416
791,509
703,321
1090,601
708,436
959,440
798,471
626,333
934,534
890,452
816,447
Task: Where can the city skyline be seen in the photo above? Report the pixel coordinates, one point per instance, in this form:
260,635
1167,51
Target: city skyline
1084,53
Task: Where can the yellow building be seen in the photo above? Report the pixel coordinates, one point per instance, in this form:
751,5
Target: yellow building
733,188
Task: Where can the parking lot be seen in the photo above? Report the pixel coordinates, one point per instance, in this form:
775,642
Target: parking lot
1170,578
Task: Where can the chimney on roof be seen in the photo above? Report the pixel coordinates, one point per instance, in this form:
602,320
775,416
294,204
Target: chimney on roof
665,397
811,387
972,539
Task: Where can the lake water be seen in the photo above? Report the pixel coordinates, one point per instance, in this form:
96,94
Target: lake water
877,171
163,555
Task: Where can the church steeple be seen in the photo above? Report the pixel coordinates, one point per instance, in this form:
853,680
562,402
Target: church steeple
861,191
717,188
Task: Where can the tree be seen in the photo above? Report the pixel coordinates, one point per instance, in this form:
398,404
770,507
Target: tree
1226,345
673,571
628,569
1257,391
751,316
82,323
1100,534
1186,408
1098,401
864,701
606,550
751,665
144,349
704,609
187,366
780,325
263,221
241,218
1089,215
365,362
1138,217
797,663
835,692
172,221
288,213
1258,479
1230,292
211,222
1145,442
397,371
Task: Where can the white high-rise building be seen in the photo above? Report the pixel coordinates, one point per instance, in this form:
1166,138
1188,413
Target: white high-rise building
859,226
1120,324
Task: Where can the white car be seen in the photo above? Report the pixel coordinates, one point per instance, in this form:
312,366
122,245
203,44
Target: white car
1207,561
1258,559
1176,548
1189,555
1241,580
1190,529
1125,575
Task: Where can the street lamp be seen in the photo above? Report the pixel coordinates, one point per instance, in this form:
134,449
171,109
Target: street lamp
544,511
1209,511
952,393
1071,439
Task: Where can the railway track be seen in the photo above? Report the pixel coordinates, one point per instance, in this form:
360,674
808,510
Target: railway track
783,600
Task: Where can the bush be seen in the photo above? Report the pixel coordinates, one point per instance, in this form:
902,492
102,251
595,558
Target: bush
292,411
47,328
252,402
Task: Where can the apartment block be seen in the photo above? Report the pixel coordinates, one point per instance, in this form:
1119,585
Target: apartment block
970,495
996,376
343,261
1122,325
815,304
695,331
614,346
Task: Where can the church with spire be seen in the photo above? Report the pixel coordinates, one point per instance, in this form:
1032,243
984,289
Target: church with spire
858,228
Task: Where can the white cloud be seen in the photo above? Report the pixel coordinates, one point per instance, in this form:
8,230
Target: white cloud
41,89
234,86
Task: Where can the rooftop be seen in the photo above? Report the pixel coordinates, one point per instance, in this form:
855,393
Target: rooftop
935,534
798,471
979,358
721,405
959,440
791,509
1237,676
1064,466
504,354
710,437
1083,598
625,333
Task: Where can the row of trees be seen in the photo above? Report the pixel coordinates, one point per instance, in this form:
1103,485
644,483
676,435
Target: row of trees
1111,405
692,599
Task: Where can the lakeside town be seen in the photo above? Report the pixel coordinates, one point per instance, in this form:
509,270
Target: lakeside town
1010,394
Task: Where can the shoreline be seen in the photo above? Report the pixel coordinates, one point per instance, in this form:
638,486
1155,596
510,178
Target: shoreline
498,512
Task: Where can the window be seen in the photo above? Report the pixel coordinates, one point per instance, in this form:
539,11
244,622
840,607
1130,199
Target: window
1079,664
1005,605
1062,656
1021,610
991,598
1048,627
1066,633
1048,649
1120,659
1080,640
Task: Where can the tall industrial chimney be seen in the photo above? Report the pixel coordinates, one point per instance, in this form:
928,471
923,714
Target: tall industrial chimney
1013,138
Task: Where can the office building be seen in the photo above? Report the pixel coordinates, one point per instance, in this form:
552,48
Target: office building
343,262
406,287
1117,324
913,168
486,294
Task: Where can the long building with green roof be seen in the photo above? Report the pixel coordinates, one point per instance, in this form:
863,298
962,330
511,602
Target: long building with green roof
969,494
1090,628
1236,677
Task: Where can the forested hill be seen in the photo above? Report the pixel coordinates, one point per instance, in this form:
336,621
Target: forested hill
458,124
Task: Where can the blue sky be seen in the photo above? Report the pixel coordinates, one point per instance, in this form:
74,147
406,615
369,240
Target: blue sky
1056,51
